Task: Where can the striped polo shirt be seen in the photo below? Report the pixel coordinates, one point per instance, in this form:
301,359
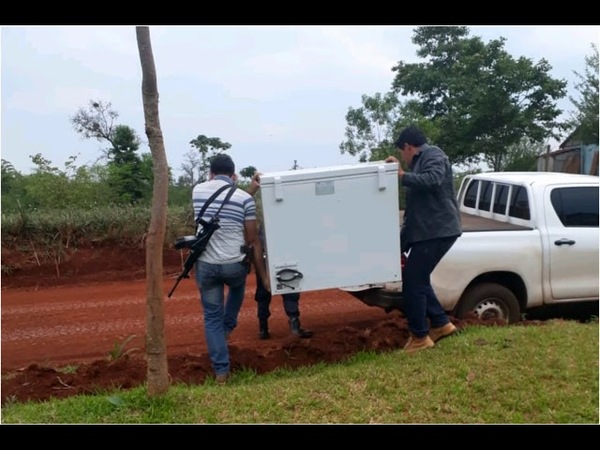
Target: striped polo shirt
224,245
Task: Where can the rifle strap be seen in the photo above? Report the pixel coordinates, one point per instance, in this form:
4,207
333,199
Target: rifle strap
212,198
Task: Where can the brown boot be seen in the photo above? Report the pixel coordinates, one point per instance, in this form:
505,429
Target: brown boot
415,344
222,378
441,332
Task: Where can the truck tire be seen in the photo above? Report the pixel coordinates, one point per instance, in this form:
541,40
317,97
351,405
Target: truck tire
489,301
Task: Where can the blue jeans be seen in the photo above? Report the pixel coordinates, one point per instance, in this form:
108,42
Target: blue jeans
421,305
220,315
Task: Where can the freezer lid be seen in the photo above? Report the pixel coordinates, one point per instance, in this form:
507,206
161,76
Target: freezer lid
316,173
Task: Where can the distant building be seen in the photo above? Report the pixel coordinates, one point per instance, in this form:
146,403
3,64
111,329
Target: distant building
572,156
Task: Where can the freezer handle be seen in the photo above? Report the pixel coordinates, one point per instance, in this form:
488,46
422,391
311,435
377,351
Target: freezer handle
278,189
381,177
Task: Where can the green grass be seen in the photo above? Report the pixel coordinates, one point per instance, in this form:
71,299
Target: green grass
485,375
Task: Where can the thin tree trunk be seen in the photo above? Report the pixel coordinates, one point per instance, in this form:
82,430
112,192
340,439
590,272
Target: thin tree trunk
156,348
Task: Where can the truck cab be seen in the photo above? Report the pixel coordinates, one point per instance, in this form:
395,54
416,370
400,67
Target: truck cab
563,207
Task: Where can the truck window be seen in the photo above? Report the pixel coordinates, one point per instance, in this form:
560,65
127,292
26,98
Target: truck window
485,200
500,198
519,203
471,195
576,206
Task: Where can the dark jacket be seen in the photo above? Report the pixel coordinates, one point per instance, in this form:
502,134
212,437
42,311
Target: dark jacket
431,207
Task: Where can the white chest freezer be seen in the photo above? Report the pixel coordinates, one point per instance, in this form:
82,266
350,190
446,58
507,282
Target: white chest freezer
331,227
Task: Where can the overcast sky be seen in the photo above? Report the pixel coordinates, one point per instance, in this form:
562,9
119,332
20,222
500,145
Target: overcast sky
276,93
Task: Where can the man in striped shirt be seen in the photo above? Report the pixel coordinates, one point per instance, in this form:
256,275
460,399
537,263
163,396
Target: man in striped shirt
221,264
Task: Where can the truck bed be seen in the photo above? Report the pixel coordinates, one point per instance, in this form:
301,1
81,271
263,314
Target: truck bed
471,222
477,223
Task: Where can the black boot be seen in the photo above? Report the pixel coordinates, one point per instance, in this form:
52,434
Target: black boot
297,330
263,329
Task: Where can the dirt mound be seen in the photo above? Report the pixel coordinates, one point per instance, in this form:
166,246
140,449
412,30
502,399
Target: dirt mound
37,383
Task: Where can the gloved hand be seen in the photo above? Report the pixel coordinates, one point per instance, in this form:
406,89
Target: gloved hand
404,244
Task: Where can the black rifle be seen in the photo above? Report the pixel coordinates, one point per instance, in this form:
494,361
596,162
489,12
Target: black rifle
247,261
197,244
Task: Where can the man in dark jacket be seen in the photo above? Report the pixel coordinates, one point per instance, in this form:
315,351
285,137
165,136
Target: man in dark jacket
430,227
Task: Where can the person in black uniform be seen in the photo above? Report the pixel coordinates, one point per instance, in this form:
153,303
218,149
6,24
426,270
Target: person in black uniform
263,296
290,306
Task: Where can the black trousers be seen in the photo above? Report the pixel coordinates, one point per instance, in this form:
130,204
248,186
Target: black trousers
263,299
421,306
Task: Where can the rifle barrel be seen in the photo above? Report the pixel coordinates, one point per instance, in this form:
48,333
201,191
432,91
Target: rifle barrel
176,283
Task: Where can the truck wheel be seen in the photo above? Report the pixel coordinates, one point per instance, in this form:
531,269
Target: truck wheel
489,301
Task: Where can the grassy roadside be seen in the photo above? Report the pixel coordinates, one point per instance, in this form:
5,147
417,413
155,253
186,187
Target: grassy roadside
544,374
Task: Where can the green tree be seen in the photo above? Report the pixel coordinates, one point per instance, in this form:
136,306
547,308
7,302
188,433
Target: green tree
372,129
480,99
180,190
13,187
89,187
10,177
522,156
191,168
95,122
208,148
47,187
73,187
128,178
125,143
248,172
586,116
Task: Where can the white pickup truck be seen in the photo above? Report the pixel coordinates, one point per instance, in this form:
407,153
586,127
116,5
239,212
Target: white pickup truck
530,239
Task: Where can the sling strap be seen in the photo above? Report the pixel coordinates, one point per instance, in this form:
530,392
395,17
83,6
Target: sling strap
199,219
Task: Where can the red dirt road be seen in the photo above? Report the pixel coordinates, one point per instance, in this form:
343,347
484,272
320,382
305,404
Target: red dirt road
78,314
70,324
98,303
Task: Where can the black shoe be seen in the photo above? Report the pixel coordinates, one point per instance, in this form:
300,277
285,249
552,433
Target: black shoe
263,330
302,333
263,334
297,330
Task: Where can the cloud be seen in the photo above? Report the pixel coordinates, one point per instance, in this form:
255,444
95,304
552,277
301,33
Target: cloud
104,50
557,44
276,93
274,131
269,62
369,49
54,100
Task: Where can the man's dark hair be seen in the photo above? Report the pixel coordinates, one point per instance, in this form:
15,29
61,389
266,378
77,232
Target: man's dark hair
222,164
412,136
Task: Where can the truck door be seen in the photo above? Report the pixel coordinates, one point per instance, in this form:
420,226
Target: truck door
572,241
